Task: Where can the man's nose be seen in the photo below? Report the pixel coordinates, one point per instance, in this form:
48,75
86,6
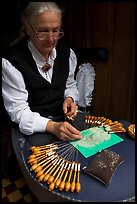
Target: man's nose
50,36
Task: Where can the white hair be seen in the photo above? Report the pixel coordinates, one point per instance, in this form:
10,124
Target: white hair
35,8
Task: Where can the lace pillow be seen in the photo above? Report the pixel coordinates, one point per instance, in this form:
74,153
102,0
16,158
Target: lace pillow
103,165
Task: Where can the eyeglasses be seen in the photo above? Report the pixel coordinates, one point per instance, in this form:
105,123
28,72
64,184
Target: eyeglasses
43,35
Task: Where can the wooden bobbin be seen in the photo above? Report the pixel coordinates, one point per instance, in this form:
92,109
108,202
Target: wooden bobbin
62,183
44,163
68,184
51,178
40,174
59,169
58,181
53,169
78,185
73,184
49,171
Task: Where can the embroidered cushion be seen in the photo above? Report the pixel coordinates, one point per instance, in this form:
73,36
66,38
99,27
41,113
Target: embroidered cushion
104,165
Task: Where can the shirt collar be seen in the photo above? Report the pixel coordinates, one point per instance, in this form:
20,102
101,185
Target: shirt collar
38,56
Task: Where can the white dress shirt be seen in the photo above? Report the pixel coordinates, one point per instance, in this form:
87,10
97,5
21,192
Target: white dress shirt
15,94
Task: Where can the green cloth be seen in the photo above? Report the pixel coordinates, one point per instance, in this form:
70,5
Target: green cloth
95,139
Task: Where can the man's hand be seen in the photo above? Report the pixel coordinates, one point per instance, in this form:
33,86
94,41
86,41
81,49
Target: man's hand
63,130
70,108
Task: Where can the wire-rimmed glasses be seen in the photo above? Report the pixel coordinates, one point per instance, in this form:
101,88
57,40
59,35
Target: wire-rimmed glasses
43,35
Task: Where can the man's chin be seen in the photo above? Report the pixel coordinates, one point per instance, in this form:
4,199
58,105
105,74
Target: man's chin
48,47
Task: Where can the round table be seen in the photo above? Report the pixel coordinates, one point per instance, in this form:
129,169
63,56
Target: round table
121,188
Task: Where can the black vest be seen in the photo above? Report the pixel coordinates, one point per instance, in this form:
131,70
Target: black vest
43,97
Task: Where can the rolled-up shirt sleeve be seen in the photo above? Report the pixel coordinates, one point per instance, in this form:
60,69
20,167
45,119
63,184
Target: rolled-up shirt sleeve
71,87
15,98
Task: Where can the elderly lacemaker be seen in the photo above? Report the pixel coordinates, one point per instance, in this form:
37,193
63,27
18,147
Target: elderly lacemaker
38,85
